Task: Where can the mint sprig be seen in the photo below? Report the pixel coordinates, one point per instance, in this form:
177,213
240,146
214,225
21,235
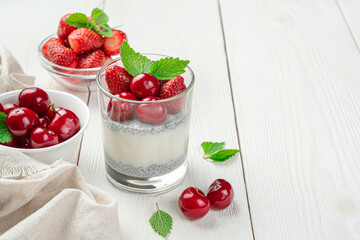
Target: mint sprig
98,23
216,152
161,222
168,68
5,136
134,62
163,69
78,20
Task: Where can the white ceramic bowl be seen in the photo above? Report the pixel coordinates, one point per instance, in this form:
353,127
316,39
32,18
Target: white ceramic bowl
67,149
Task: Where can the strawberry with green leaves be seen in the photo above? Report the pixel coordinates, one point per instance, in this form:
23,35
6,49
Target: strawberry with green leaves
64,29
90,37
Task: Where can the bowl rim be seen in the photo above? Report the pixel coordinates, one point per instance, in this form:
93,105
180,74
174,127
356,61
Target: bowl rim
46,149
77,70
186,91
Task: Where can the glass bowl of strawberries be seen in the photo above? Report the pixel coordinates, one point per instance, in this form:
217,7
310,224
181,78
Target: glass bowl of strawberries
145,104
81,46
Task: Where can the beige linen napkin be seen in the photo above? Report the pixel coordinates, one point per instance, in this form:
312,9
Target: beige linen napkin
12,76
54,203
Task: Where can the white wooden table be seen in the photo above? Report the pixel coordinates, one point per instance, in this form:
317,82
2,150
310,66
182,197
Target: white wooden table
279,79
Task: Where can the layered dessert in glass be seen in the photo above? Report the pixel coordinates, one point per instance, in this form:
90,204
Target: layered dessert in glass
145,141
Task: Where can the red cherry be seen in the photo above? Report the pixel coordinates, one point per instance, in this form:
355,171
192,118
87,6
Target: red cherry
220,194
50,113
12,143
65,124
35,99
1,108
21,121
44,122
8,107
144,85
41,137
24,143
154,113
120,110
193,203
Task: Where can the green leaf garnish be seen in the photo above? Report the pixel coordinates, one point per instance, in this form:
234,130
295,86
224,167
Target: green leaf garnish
5,136
134,62
161,222
99,16
223,155
168,68
163,69
77,20
215,151
98,23
211,147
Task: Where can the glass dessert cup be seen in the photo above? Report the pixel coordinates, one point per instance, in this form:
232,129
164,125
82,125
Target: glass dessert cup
143,157
73,78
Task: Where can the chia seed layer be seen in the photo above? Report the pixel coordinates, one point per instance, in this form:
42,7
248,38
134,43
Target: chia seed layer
151,171
135,127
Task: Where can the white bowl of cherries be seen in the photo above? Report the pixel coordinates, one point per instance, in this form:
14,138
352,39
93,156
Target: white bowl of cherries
46,125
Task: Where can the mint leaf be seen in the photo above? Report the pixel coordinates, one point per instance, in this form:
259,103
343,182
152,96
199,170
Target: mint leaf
161,222
99,16
211,148
215,151
3,117
223,155
134,62
77,20
5,136
168,68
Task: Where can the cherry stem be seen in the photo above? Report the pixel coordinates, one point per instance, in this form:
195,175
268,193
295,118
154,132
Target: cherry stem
157,206
53,107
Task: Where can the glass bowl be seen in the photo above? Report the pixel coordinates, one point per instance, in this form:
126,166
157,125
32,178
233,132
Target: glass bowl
73,78
140,156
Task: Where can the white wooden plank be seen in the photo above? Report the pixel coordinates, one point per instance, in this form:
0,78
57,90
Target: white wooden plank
178,28
350,10
294,72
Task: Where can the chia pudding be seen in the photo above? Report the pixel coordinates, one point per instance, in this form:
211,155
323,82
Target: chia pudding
138,149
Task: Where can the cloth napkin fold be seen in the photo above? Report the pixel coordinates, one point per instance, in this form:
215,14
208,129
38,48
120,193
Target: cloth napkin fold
12,76
51,202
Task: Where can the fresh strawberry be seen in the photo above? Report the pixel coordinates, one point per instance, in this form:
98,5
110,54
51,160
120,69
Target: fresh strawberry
172,88
117,79
45,47
66,42
107,59
83,39
64,29
162,82
62,55
112,44
93,59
